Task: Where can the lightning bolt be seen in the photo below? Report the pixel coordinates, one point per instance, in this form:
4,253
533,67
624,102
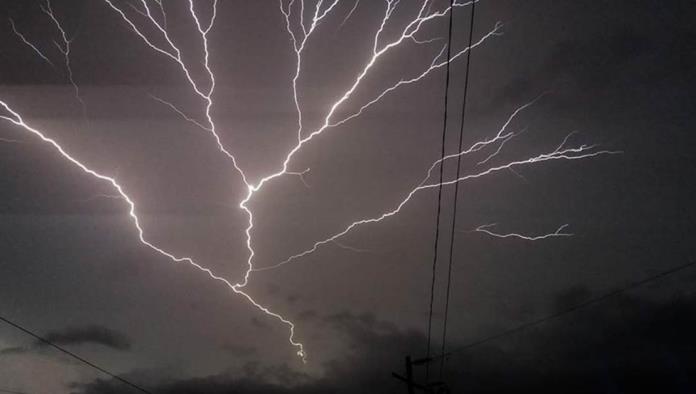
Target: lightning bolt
102,196
560,153
301,175
407,34
28,43
172,51
64,48
486,230
206,93
351,248
302,21
299,41
17,120
350,13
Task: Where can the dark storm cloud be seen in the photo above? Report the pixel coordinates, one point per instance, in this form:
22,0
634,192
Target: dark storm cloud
569,298
258,323
628,344
656,43
308,315
97,335
589,61
15,350
373,345
86,335
12,391
240,350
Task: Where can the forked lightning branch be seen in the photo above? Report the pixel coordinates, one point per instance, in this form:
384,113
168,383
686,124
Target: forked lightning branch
304,22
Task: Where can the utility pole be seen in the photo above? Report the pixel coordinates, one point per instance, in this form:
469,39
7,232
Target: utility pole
408,379
412,386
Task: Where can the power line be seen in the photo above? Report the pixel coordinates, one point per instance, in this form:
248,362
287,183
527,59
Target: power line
456,185
439,189
73,355
582,305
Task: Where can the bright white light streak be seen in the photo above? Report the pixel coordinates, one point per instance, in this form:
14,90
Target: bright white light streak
434,65
299,43
172,51
486,229
181,113
407,33
64,47
350,13
18,121
500,147
102,196
28,43
350,248
301,175
162,43
576,153
502,135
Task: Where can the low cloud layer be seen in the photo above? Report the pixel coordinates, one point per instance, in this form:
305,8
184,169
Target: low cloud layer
627,344
71,336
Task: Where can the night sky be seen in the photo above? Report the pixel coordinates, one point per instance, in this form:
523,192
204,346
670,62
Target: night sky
617,74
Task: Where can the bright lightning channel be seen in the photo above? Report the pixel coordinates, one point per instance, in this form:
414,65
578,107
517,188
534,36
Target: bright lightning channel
172,51
560,153
300,28
407,34
17,120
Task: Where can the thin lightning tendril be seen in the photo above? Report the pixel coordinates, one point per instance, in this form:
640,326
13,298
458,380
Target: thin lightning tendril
206,94
486,229
301,22
64,48
299,42
350,13
10,140
576,153
17,120
102,196
407,33
351,248
28,43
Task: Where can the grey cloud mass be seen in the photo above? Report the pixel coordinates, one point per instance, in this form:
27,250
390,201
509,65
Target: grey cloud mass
628,344
76,336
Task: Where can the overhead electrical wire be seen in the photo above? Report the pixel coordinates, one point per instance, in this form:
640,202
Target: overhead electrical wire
439,189
73,355
582,305
456,185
